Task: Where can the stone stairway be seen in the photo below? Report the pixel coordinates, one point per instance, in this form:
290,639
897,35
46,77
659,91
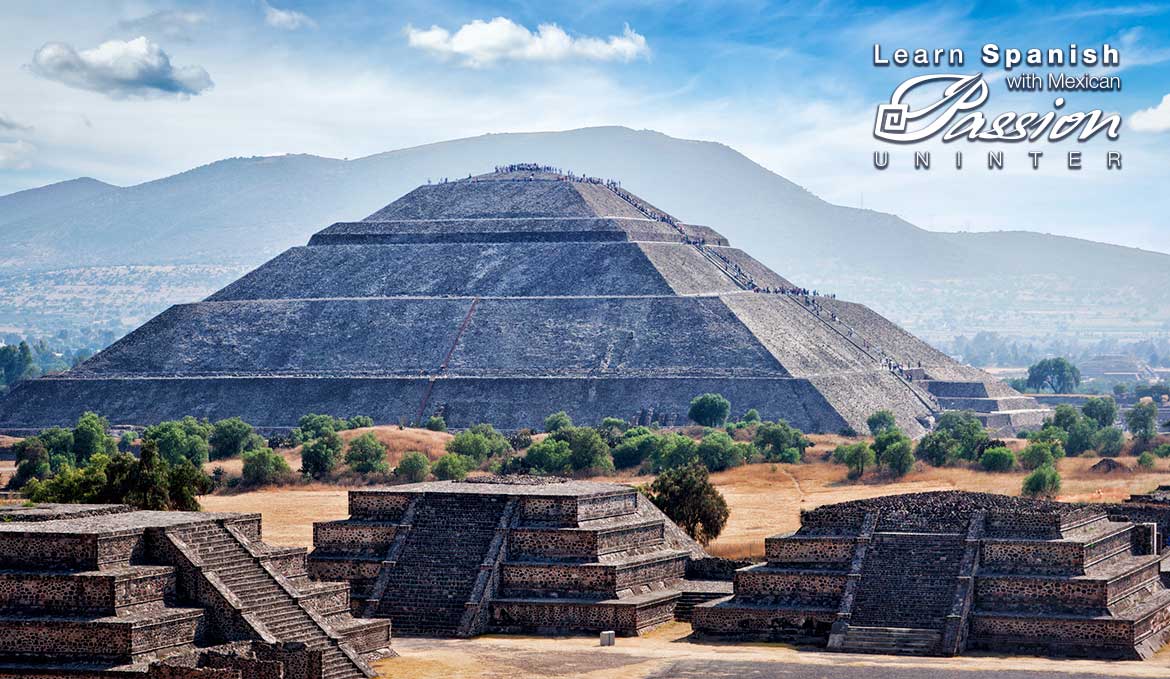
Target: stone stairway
265,599
436,570
907,589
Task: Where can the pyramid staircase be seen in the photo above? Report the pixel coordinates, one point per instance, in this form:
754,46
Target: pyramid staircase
266,602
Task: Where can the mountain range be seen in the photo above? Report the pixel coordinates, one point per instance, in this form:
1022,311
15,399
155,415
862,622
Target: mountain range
238,212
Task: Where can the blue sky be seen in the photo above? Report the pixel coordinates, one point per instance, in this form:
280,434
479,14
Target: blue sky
131,91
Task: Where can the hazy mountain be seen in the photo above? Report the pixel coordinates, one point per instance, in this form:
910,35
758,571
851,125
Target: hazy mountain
244,210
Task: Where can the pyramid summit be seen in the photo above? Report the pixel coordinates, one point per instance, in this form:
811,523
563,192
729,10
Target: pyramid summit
502,297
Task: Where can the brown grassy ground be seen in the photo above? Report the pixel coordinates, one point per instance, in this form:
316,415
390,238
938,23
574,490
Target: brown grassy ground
398,442
765,499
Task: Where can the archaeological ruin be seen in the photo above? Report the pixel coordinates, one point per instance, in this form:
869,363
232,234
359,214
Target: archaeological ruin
101,591
503,297
510,554
942,572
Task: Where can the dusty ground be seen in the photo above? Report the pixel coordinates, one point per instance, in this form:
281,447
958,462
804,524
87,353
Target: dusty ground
668,653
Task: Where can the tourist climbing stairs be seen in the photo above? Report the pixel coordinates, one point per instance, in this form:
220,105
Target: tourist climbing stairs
266,600
432,581
907,589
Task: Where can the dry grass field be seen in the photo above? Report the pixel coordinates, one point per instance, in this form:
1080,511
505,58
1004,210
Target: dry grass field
765,499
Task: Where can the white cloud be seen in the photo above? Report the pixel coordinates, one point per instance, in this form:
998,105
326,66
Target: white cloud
482,43
133,68
287,19
16,154
170,24
1153,119
13,125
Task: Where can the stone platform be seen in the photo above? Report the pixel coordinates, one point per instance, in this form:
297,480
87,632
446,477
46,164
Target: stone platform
939,573
108,591
509,554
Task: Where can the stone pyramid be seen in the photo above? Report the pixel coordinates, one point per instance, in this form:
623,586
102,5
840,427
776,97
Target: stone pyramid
501,298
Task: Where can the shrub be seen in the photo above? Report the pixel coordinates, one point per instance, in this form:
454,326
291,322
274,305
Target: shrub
966,430
452,467
521,439
674,451
359,422
90,437
1049,434
367,455
1064,417
718,451
686,496
633,451
413,467
479,443
751,416
1080,436
229,438
264,467
1109,441
314,426
709,410
1039,454
612,429
1146,460
557,421
1163,450
938,448
897,453
587,451
880,421
320,456
551,456
179,440
857,456
1141,420
1102,411
436,423
998,459
1044,481
779,442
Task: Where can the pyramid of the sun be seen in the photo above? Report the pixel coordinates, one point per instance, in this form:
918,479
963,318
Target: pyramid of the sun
501,298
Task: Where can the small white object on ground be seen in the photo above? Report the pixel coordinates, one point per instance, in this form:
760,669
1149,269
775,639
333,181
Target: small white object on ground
607,638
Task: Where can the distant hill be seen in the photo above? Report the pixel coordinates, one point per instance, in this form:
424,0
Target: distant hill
242,211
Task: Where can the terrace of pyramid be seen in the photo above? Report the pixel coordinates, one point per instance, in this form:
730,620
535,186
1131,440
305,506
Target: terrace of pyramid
503,297
103,591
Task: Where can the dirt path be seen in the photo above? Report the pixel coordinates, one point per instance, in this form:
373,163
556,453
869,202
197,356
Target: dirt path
668,653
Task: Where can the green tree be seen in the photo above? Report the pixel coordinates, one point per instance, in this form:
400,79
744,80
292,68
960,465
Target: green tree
779,442
1039,454
998,459
674,451
58,442
179,440
587,451
320,456
557,421
1064,417
1042,482
185,483
966,430
150,488
359,422
857,457
1142,421
938,448
1146,460
752,416
632,451
436,423
687,496
718,452
1109,441
413,467
895,451
1056,374
90,437
612,429
1101,410
709,410
16,363
550,456
367,455
1080,436
229,438
480,443
1049,434
452,467
1120,389
315,425
1163,450
881,421
32,462
264,467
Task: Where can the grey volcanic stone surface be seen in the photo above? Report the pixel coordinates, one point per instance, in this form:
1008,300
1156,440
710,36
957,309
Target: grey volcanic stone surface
502,298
